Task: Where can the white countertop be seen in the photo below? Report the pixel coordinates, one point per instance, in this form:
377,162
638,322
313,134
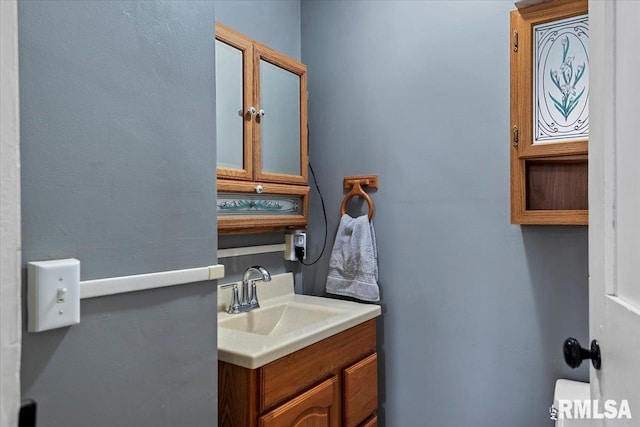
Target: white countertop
252,350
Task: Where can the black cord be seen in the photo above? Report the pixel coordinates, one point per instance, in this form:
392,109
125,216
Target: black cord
324,212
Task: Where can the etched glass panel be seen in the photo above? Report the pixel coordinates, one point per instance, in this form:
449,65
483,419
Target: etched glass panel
561,80
258,204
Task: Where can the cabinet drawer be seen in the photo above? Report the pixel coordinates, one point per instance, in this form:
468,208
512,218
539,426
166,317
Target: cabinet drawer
316,407
360,391
286,377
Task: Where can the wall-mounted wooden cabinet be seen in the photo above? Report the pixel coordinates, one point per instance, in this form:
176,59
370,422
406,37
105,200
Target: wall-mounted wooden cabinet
550,113
261,136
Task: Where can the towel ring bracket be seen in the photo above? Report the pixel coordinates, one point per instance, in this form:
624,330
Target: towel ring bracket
356,183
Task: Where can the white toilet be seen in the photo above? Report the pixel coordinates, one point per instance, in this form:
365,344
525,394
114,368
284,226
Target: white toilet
570,390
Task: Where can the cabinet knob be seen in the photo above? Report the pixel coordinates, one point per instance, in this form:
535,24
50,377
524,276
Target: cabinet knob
259,188
261,112
252,111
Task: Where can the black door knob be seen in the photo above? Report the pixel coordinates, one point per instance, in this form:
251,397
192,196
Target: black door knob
574,354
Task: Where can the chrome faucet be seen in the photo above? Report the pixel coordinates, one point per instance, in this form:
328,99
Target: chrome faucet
249,301
252,300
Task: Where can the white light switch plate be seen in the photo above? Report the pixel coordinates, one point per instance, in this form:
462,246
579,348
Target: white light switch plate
53,294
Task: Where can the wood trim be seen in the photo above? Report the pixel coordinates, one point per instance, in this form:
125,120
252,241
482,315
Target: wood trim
558,159
288,376
518,201
372,422
244,44
279,59
555,217
267,187
276,177
237,396
553,10
304,128
259,224
527,3
262,52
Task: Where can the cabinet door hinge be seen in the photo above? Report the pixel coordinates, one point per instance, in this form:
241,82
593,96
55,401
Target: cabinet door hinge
515,41
515,136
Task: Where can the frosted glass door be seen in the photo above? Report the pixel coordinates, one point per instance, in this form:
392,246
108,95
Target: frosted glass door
280,124
229,106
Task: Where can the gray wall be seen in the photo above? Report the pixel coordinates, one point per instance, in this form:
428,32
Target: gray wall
475,309
117,118
275,23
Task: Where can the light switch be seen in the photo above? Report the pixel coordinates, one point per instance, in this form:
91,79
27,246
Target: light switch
53,294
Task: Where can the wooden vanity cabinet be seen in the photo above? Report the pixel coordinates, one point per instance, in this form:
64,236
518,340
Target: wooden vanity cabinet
261,136
330,383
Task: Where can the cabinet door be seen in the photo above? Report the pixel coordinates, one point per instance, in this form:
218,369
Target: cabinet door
360,391
317,407
280,151
234,103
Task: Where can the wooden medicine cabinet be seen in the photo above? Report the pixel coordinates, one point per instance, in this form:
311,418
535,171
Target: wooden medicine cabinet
261,137
549,113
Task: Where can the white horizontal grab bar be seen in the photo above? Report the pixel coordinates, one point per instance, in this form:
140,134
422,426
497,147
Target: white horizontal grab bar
139,282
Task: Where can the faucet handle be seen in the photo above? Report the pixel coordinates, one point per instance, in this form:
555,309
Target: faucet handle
253,302
234,307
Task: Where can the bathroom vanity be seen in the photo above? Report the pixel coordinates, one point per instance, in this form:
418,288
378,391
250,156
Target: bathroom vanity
332,382
297,361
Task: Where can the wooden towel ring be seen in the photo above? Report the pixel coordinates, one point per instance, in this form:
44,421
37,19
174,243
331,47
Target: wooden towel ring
357,190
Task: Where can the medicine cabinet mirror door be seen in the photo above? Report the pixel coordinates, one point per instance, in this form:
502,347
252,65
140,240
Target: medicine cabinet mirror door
281,135
234,111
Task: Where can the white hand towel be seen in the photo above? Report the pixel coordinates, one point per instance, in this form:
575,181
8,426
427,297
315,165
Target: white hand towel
353,267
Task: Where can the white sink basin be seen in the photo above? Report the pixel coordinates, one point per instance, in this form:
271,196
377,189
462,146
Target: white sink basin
285,322
279,319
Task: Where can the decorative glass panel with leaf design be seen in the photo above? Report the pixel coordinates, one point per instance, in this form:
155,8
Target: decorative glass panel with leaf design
258,204
561,80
